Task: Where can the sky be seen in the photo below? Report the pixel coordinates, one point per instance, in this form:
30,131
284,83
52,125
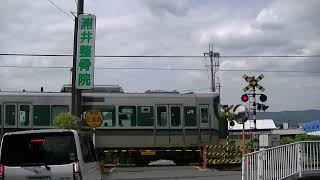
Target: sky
168,27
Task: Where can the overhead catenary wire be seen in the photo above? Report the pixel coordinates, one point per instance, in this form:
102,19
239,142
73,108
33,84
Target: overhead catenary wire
164,69
61,10
162,56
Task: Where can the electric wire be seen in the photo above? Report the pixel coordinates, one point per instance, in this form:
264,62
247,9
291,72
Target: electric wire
61,10
161,56
165,69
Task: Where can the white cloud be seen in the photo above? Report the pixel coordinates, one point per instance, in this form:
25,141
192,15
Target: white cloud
166,27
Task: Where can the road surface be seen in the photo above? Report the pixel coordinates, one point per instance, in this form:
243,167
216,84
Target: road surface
169,172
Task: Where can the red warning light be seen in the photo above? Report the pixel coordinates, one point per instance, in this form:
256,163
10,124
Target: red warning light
244,98
38,140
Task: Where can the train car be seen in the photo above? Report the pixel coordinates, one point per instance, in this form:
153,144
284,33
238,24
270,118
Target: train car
136,126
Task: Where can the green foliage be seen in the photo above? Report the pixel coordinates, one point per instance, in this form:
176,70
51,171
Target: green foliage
249,145
231,142
226,115
66,121
300,137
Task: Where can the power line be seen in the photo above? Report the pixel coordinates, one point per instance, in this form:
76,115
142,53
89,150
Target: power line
63,11
160,56
271,56
165,69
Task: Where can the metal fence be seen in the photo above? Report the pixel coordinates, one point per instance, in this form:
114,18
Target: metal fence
282,161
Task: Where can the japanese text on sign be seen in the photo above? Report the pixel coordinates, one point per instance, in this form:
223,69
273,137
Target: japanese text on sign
85,53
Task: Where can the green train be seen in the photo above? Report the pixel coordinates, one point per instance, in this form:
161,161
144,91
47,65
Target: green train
136,127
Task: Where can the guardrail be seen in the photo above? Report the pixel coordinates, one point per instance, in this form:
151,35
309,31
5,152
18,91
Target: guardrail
282,161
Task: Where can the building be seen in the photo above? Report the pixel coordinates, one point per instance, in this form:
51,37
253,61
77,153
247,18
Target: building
264,126
312,127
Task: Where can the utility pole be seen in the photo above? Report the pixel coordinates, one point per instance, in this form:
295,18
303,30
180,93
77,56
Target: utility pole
219,86
214,58
76,93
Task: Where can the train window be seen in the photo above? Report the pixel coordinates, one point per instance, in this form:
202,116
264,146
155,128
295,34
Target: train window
145,109
108,112
10,118
204,114
190,116
162,115
56,110
127,116
24,115
175,116
145,116
41,115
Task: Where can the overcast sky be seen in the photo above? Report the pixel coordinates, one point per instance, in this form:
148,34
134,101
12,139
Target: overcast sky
168,27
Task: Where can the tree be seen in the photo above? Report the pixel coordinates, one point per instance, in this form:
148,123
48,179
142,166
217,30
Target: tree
66,121
300,137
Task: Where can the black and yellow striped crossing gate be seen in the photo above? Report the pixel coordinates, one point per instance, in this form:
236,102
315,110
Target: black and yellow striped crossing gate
221,154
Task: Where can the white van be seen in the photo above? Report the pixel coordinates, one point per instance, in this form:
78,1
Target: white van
53,154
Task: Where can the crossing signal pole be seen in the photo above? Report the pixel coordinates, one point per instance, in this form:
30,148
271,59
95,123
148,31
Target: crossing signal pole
214,65
253,84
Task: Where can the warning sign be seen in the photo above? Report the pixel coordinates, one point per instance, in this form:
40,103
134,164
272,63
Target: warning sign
94,118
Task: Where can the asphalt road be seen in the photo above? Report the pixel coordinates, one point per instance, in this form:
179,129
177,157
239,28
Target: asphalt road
170,172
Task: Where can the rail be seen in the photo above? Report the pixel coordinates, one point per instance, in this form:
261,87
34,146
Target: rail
295,159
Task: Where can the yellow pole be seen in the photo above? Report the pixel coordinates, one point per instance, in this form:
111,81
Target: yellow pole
204,155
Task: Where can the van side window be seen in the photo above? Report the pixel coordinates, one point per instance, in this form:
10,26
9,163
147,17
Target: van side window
87,149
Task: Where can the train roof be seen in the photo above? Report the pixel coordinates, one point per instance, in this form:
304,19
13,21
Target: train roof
68,94
96,89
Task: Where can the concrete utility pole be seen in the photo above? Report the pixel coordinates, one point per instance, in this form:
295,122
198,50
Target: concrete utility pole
76,93
219,86
214,57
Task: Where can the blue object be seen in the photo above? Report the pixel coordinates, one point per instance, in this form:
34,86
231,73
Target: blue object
311,126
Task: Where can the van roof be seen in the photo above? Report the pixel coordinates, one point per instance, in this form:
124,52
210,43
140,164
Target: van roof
40,131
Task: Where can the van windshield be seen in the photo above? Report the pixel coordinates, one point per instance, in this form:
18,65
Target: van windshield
38,149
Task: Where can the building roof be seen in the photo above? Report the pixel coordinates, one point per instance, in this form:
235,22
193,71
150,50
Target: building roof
288,131
262,124
314,133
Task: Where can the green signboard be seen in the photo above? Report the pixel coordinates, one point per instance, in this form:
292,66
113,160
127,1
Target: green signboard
86,51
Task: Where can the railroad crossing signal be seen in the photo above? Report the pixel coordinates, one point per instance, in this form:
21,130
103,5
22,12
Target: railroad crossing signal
244,98
262,107
227,108
253,82
263,98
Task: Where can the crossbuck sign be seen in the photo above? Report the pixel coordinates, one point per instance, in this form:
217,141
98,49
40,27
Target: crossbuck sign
85,51
253,82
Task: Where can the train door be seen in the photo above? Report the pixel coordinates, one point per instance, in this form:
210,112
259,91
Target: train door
17,115
175,126
204,124
162,127
169,125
